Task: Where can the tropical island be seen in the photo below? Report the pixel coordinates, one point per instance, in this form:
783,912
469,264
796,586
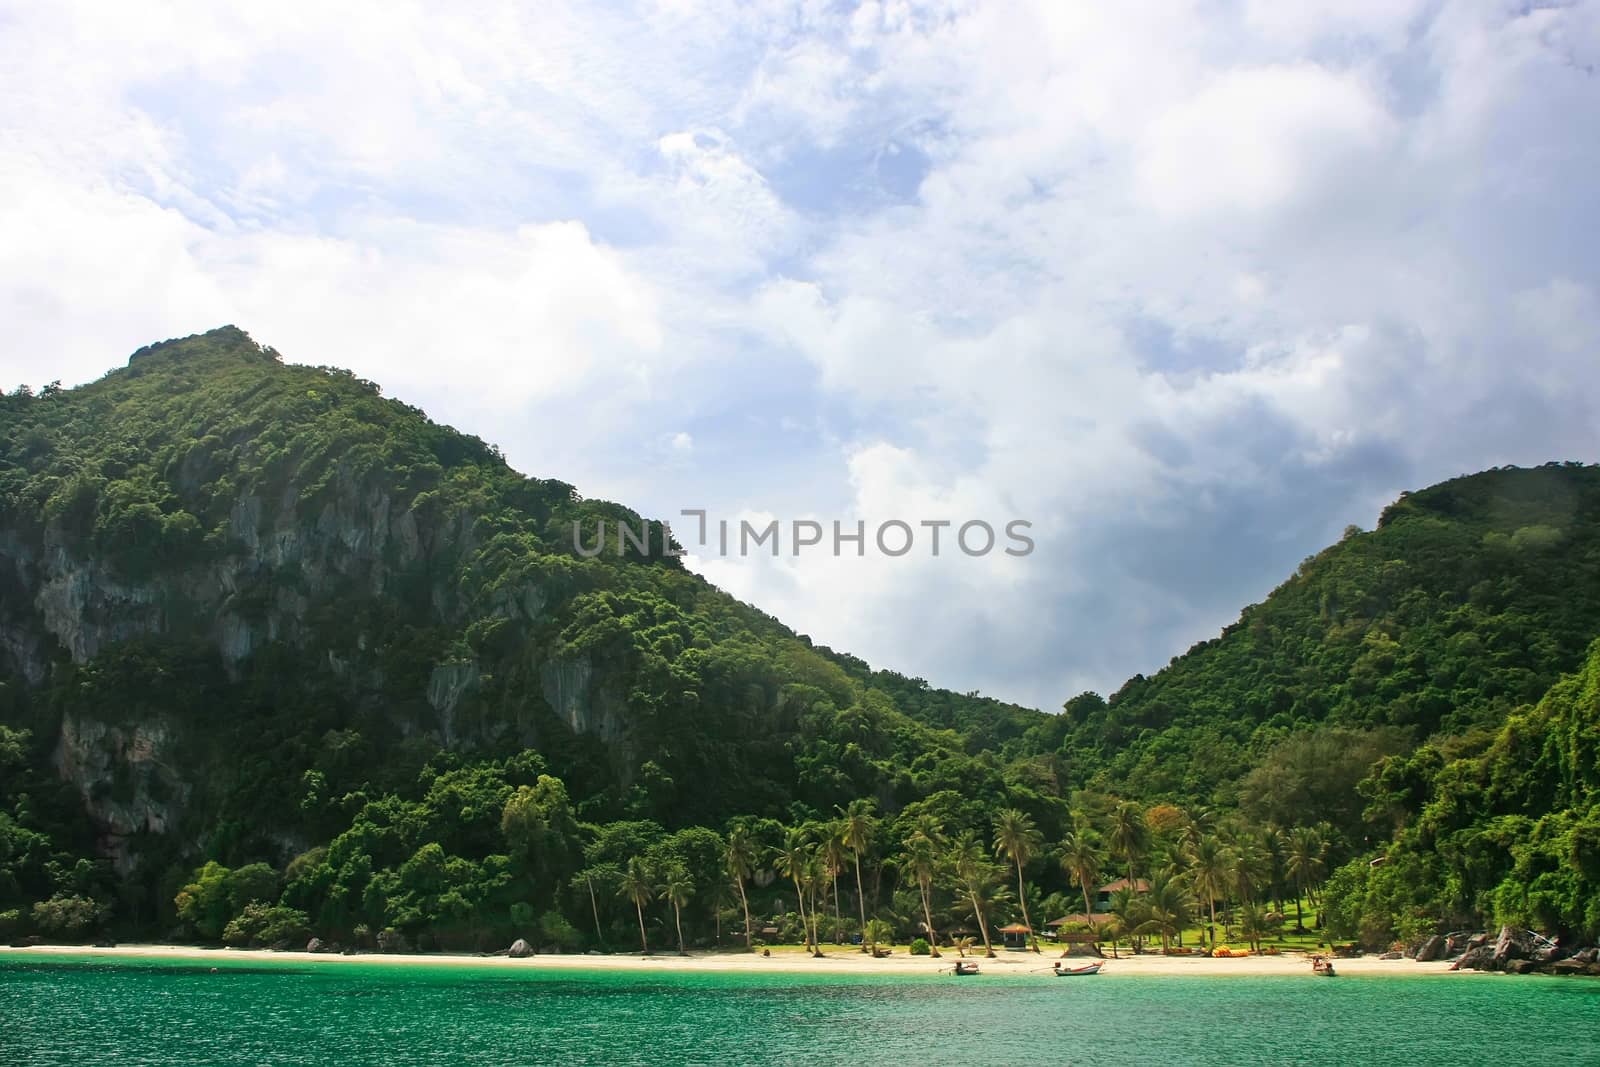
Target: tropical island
285,664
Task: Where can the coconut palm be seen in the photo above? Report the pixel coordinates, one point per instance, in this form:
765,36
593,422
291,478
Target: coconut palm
1305,867
1166,909
858,825
676,890
792,857
636,886
1130,835
833,853
1129,912
1113,930
1209,876
1275,847
921,860
604,874
877,932
977,877
1255,923
816,882
962,944
1080,860
1252,868
1016,837
740,855
1199,823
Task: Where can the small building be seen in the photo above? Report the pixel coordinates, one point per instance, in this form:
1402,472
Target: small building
1015,936
1054,927
1102,897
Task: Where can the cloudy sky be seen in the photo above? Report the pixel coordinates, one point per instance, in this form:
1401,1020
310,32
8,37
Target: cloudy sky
1188,286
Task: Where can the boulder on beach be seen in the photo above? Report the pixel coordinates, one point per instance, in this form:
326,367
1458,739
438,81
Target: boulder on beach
1572,966
1431,949
1480,958
315,945
519,950
1512,944
1523,966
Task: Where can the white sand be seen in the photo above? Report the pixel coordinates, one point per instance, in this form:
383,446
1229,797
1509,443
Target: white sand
836,961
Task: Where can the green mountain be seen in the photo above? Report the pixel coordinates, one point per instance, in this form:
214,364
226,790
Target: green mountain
279,655
1470,599
238,597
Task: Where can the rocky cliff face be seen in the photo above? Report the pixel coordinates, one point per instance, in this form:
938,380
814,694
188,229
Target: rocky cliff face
331,566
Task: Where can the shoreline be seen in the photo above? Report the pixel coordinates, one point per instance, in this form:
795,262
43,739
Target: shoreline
1009,964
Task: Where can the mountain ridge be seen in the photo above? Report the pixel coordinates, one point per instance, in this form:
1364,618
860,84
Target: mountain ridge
256,614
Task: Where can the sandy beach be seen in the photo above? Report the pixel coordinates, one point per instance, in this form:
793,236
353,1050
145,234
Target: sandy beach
838,961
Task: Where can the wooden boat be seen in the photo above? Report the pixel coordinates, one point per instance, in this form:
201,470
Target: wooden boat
1074,972
965,967
1323,966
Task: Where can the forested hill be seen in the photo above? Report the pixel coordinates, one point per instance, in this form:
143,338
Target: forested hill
236,593
1469,599
279,655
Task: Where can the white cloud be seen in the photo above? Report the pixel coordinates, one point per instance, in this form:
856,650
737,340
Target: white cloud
1257,139
1190,287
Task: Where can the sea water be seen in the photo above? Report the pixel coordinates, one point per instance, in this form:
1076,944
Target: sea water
67,1010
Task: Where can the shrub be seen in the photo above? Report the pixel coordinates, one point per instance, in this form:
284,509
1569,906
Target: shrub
556,930
266,924
920,947
67,914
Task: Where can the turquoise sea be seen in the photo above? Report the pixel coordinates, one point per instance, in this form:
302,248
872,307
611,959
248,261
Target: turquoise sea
75,1011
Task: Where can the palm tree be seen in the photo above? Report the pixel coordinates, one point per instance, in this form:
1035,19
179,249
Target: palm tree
636,887
1080,861
816,879
1016,837
1166,909
877,931
1305,866
977,877
792,858
962,944
921,859
1209,876
1130,834
1255,924
1128,911
1252,867
589,875
858,826
741,855
833,850
677,890
1198,824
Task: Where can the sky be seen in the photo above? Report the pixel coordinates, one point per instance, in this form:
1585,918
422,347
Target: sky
1188,287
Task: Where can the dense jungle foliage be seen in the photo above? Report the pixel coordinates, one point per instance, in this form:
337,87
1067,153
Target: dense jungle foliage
279,656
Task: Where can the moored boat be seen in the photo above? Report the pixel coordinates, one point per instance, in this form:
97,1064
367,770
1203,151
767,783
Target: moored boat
1076,972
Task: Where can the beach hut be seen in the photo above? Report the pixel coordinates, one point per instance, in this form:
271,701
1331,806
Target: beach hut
1102,898
1016,937
1053,928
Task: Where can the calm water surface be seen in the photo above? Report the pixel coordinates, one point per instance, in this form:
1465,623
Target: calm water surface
81,1011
